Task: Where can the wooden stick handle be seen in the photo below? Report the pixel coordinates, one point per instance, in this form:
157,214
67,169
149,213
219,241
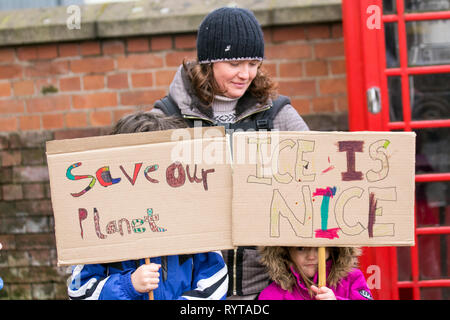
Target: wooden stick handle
322,267
150,293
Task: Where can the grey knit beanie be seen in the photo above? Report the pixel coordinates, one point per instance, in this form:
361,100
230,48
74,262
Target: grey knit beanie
230,34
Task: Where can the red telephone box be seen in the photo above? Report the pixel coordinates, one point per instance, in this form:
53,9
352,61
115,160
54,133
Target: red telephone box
398,79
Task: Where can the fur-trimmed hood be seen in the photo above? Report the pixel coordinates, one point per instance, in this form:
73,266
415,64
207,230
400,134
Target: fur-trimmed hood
278,265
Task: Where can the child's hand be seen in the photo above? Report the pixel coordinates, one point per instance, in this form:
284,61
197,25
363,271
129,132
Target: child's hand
324,293
146,277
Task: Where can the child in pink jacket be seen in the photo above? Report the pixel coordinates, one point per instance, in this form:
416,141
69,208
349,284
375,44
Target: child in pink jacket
293,271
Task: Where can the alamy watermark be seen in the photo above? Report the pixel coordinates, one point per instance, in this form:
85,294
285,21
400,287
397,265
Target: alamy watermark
74,19
373,21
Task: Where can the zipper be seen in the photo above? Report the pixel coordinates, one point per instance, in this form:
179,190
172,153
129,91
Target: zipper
215,122
234,272
258,111
199,118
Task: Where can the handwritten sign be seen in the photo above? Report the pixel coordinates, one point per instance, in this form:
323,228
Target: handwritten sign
139,195
323,188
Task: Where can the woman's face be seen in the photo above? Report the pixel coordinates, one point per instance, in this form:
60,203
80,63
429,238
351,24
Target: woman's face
234,77
306,259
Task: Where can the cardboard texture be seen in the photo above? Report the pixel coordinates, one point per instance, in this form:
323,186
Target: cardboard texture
323,189
132,196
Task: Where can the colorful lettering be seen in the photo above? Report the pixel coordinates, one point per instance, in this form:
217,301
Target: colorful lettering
377,151
137,168
350,148
172,180
279,207
151,169
82,215
104,177
97,225
70,176
304,146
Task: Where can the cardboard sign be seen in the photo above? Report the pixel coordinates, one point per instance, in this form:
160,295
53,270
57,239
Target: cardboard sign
132,196
323,189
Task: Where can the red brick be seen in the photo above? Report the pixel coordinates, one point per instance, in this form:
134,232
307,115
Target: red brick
270,68
297,88
317,31
47,69
139,61
336,31
342,103
118,114
323,104
337,66
27,53
267,34
52,121
118,81
23,88
93,82
333,86
48,104
36,241
11,71
291,70
30,122
100,118
12,192
7,55
140,80
188,41
5,89
158,43
8,124
76,120
68,49
303,106
113,47
33,191
90,65
316,68
70,84
11,106
31,174
164,77
329,49
288,33
137,98
138,45
8,242
90,48
44,84
49,51
95,100
11,158
175,58
288,51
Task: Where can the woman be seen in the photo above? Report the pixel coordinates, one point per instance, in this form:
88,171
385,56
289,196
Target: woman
227,85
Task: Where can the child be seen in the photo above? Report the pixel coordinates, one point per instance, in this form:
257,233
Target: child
294,274
191,276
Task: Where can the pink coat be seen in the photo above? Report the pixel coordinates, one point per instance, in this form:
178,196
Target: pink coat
352,287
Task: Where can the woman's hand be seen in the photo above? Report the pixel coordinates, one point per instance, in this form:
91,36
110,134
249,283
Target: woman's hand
323,293
146,277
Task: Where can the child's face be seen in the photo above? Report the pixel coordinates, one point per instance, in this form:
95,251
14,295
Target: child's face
306,259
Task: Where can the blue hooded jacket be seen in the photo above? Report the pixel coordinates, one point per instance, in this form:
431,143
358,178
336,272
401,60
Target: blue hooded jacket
196,276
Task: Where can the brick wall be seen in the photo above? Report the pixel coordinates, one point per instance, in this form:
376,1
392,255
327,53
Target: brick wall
67,90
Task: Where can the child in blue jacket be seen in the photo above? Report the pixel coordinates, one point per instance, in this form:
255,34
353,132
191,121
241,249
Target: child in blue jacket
177,277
